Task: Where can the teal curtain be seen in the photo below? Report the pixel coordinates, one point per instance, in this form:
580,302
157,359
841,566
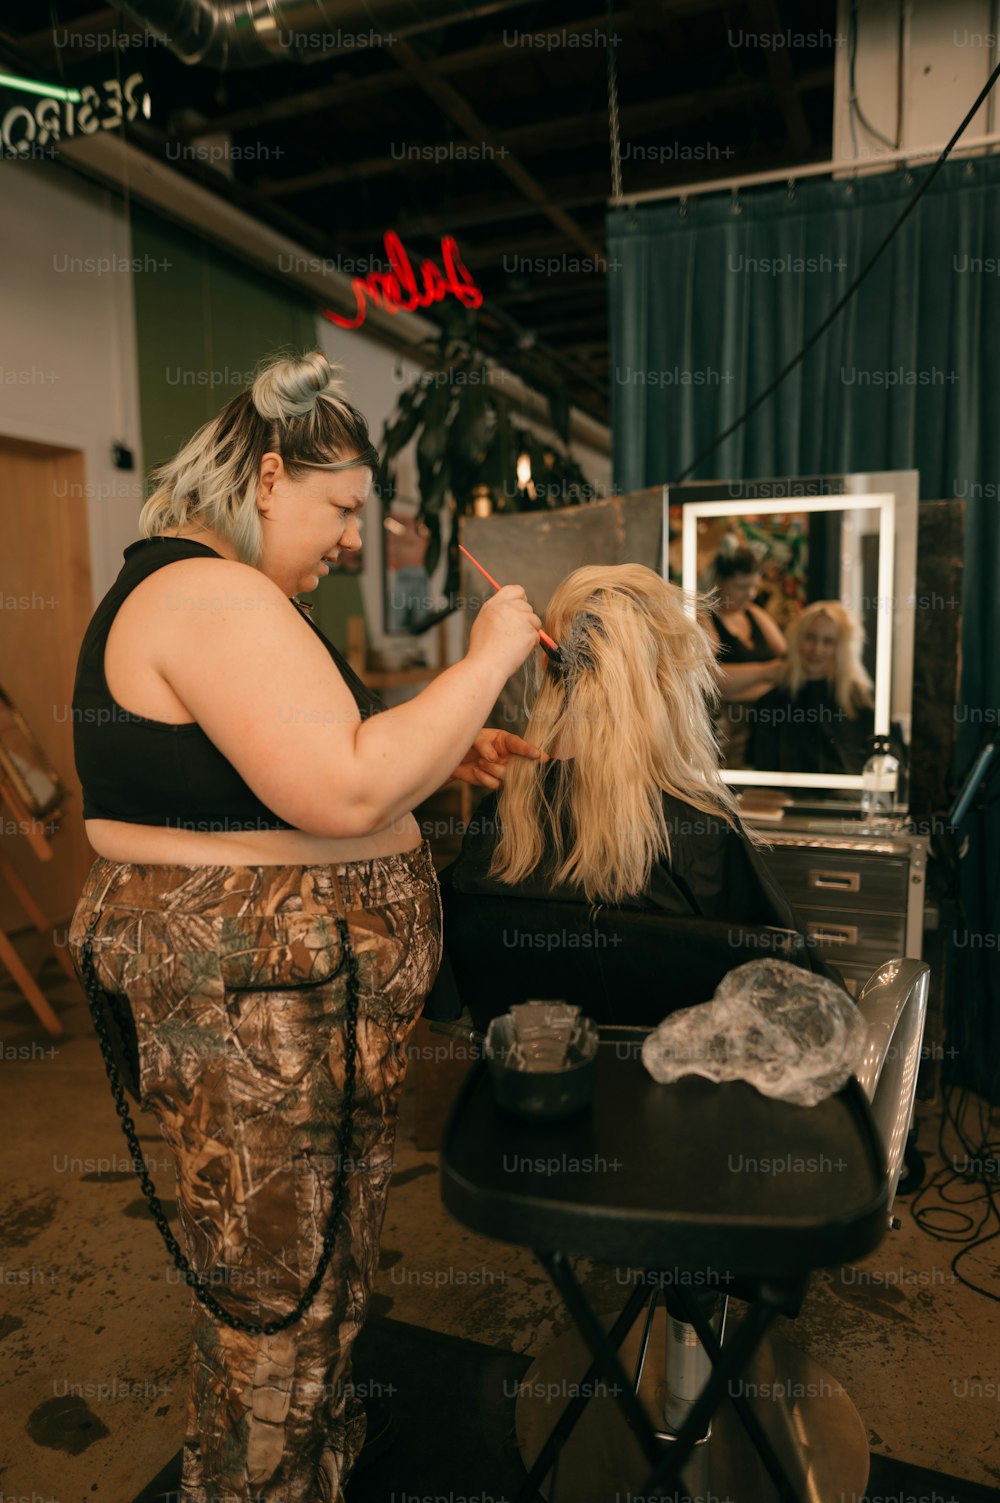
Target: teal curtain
708,300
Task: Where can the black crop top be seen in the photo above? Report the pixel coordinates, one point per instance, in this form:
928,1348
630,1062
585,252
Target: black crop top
732,649
148,772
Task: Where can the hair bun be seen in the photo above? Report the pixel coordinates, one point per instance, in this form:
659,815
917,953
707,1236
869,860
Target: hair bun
288,388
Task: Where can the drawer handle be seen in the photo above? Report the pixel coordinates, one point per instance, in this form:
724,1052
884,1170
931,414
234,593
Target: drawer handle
833,934
838,881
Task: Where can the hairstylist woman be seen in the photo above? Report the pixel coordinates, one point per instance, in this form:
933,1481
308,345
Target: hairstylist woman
264,900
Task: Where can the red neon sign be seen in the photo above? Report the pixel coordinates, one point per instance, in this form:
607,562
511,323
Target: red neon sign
398,289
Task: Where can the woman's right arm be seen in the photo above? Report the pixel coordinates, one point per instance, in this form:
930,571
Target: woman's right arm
266,692
740,683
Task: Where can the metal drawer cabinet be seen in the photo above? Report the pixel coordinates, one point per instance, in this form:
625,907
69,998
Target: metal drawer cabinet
867,879
869,937
859,897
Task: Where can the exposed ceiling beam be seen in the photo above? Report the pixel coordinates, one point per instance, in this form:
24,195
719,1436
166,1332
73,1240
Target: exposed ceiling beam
309,102
636,120
653,114
265,111
494,52
120,20
765,19
332,95
577,192
458,109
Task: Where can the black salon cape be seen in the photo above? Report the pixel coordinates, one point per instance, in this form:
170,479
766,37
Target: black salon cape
714,872
808,733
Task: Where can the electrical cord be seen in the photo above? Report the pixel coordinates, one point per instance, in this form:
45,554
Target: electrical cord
853,101
963,1220
845,297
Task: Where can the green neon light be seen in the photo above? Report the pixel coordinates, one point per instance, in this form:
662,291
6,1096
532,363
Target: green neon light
51,91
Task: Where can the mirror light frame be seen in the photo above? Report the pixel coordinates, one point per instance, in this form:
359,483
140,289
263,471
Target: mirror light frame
885,504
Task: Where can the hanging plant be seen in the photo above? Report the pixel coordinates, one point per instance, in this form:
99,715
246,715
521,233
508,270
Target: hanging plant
466,437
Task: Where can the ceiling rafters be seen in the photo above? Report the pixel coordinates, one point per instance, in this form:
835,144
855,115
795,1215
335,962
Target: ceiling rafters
568,193
349,91
453,104
694,104
765,19
637,119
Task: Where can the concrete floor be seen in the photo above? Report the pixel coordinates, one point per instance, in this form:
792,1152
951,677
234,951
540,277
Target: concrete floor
94,1324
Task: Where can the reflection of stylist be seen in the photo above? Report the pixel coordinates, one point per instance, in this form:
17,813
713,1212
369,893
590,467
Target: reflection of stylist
750,647
821,719
264,901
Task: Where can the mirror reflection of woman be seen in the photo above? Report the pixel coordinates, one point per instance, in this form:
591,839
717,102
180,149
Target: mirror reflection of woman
821,718
750,647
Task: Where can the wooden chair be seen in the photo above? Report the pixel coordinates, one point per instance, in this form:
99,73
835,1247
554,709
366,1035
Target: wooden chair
36,831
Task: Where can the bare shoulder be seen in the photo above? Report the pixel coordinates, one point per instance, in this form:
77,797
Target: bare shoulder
231,612
768,625
209,584
196,599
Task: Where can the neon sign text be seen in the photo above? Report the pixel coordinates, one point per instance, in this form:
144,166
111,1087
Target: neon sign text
404,289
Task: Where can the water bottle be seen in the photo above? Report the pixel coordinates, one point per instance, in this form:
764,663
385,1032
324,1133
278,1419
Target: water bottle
879,782
688,1366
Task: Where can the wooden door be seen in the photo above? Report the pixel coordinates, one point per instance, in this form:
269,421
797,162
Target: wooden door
45,606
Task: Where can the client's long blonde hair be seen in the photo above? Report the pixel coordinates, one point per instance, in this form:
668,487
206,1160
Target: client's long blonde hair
850,682
635,696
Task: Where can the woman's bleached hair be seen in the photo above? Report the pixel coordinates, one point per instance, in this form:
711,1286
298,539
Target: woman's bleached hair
297,408
635,695
851,682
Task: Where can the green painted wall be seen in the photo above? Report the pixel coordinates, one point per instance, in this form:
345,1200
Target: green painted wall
203,324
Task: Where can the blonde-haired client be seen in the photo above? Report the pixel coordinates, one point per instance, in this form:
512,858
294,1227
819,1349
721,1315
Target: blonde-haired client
820,718
628,809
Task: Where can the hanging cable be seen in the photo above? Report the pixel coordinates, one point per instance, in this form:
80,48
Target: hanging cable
842,301
965,1219
613,111
853,103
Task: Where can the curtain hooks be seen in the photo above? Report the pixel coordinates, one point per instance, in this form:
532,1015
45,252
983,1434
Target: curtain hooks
791,190
682,206
735,205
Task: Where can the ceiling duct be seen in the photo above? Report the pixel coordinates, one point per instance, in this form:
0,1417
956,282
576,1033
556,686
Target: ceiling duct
252,33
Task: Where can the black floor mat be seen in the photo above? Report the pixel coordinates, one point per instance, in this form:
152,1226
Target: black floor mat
453,1406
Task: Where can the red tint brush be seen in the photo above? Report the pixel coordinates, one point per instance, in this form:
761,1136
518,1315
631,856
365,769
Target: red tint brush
552,648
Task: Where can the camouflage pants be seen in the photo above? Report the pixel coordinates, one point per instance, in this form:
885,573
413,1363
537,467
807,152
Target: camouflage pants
236,983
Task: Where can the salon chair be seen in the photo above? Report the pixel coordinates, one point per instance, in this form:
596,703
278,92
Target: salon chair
624,966
628,969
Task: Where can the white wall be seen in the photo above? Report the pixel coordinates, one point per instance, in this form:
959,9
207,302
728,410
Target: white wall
68,370
68,374
919,65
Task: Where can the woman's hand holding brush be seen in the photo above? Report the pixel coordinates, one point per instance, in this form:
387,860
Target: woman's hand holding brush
551,648
506,629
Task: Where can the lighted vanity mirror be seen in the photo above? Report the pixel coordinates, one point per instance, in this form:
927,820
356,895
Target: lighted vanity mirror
811,605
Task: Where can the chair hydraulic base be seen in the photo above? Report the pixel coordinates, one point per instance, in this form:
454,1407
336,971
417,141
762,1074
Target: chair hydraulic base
806,1414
